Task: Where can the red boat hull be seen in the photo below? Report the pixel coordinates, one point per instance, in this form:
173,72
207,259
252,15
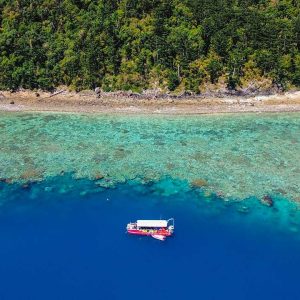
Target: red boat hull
162,232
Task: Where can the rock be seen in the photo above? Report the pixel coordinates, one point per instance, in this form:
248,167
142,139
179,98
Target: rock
220,194
98,92
12,102
208,196
37,94
107,184
243,209
199,182
267,200
184,94
25,186
48,189
8,180
134,95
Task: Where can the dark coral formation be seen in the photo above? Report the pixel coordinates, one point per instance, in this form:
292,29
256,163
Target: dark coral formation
267,200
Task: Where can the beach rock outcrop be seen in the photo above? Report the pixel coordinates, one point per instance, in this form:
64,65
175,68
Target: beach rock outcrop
267,200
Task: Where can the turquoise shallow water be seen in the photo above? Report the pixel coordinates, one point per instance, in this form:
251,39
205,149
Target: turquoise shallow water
236,156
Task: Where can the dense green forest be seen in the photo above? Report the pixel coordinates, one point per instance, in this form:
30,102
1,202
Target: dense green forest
144,44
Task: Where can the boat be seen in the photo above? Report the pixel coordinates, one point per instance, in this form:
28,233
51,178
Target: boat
158,229
159,237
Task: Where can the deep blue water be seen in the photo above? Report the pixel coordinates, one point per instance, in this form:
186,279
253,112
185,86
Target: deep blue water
56,243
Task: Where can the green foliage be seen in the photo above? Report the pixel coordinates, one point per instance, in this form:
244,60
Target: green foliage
296,73
135,44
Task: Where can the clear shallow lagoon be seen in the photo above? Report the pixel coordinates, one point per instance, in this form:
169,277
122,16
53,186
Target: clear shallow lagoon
236,156
62,236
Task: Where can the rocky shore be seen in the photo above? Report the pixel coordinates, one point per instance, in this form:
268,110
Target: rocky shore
148,102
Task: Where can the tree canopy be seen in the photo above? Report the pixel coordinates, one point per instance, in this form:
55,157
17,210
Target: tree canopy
140,44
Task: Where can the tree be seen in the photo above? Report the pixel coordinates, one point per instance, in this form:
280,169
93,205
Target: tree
135,44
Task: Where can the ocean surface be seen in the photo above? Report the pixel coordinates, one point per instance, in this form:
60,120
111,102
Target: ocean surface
70,183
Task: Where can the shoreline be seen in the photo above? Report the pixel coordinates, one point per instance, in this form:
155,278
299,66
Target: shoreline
29,101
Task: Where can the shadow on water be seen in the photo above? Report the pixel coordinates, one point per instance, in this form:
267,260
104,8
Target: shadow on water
63,238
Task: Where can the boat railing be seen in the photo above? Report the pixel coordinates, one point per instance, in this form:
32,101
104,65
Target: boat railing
173,222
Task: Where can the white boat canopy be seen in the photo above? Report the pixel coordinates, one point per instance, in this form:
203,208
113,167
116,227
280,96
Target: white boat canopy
152,223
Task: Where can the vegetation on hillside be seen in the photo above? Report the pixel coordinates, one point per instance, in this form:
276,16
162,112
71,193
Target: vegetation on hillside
144,44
